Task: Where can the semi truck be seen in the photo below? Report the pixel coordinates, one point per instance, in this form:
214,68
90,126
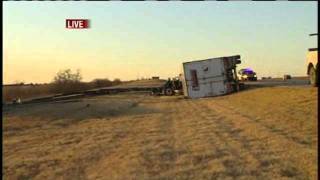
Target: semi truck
210,77
312,65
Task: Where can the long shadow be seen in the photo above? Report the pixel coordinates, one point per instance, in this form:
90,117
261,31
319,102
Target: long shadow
72,111
253,86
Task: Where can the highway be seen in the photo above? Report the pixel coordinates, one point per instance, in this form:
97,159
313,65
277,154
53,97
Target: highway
278,82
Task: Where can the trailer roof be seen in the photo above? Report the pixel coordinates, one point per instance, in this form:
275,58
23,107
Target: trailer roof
235,57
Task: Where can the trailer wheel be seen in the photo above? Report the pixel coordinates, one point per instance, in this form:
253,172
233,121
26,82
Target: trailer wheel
169,92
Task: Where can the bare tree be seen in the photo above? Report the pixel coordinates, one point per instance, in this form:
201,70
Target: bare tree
67,81
116,81
66,76
102,82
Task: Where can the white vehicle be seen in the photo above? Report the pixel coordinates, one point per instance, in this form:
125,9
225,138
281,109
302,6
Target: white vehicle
312,65
210,77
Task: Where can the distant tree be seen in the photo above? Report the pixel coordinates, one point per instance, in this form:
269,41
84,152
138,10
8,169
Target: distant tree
66,76
67,81
18,82
116,81
102,82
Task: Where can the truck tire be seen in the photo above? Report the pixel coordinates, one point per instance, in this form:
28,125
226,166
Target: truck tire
169,92
313,77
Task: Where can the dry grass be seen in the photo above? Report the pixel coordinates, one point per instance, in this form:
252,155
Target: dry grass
12,92
255,134
25,92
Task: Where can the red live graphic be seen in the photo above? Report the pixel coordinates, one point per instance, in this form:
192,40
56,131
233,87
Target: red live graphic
77,23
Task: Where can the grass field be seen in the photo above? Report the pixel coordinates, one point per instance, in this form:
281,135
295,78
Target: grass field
263,133
10,93
27,92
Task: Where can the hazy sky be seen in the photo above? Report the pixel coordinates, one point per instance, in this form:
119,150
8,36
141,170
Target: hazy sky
131,39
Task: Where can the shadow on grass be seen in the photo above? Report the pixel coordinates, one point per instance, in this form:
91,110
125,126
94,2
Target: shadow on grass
71,111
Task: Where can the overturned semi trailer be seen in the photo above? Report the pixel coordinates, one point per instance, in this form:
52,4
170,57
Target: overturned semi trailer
210,77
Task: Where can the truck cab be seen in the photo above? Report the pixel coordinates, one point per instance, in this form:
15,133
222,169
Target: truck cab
312,65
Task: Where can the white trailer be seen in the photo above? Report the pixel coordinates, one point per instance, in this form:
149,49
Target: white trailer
210,77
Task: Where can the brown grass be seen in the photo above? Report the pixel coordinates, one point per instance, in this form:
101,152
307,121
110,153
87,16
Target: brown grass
10,93
26,92
266,133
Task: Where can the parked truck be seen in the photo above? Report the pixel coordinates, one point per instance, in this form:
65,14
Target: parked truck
312,64
210,77
171,87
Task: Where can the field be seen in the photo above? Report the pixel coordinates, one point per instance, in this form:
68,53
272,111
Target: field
24,92
261,133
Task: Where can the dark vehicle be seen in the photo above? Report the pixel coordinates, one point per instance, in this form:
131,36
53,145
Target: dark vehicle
172,86
247,74
286,76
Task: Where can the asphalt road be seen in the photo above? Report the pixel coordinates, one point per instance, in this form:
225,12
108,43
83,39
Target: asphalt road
289,82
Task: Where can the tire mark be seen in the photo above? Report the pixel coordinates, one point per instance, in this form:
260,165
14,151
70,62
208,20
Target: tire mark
272,129
159,156
251,144
237,166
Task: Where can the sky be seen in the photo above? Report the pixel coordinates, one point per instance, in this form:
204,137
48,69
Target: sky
130,40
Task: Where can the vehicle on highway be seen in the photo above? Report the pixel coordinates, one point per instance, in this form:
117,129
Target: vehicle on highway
286,76
312,64
247,74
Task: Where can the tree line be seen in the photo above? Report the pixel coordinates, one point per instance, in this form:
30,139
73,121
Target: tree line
65,81
68,81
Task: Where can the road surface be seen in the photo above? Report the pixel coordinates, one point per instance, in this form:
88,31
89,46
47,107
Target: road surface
289,82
